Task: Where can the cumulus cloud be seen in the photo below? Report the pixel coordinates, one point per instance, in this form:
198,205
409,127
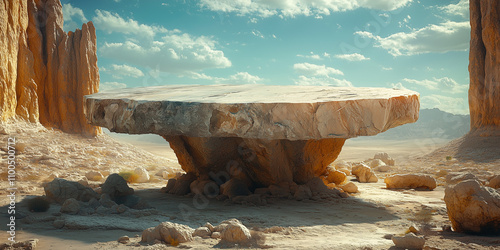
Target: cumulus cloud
445,84
312,74
238,78
73,17
120,71
352,57
455,105
111,85
316,70
448,36
174,52
314,56
292,8
459,9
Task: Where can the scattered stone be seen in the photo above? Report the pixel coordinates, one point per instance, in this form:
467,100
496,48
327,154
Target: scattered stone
494,182
385,158
409,241
70,206
473,208
350,188
335,176
94,176
29,244
171,233
235,232
59,223
203,232
124,239
410,181
142,175
374,163
116,186
234,187
454,178
364,173
60,190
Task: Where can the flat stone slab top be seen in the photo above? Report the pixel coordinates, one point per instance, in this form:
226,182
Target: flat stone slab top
253,111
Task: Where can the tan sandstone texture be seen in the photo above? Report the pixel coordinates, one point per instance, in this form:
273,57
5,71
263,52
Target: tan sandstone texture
484,69
408,181
258,134
44,71
473,208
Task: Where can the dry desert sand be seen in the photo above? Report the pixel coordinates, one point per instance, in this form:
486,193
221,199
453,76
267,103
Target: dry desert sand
365,220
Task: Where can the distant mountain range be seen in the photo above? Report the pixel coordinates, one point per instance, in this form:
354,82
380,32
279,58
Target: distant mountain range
432,123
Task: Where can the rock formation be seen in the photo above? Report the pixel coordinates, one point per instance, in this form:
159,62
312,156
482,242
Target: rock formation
255,133
44,71
484,66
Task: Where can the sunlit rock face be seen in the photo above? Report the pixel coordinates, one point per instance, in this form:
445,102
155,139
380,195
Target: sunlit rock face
45,72
260,133
484,66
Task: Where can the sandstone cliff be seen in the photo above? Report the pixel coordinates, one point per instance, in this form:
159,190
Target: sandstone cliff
44,71
484,66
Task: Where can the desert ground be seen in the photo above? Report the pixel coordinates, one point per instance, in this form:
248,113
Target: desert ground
364,220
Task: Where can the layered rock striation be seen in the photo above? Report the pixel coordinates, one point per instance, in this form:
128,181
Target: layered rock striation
256,133
484,66
44,71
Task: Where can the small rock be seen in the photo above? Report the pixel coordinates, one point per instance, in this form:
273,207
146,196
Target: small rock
171,233
106,201
203,232
124,239
335,176
206,187
494,182
234,187
142,175
60,190
70,206
84,181
94,176
350,188
215,235
235,232
413,229
364,173
375,163
409,241
209,226
384,168
279,191
116,186
385,158
409,181
181,185
454,178
316,185
59,223
303,192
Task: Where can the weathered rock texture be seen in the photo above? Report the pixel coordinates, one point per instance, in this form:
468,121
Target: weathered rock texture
255,133
473,208
409,181
484,66
44,71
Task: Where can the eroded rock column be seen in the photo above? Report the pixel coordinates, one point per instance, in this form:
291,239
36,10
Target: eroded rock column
260,162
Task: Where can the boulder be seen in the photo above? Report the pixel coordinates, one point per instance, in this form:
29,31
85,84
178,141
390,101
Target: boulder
454,178
234,187
410,181
303,192
116,186
385,158
473,208
168,232
494,182
142,175
203,232
364,173
70,206
350,188
181,185
409,241
60,190
235,232
335,176
94,176
124,239
374,163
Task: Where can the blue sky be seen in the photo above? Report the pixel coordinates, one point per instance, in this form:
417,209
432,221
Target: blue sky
419,45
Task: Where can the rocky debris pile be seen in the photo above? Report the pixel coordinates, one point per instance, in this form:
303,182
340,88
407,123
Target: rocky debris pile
29,244
410,181
230,233
473,208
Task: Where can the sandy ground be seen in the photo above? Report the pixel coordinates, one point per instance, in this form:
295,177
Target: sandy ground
361,221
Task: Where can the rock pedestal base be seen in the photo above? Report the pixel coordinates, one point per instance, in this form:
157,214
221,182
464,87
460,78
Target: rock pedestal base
257,161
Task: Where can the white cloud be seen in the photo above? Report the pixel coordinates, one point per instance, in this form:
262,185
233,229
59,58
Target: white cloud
387,68
111,85
352,57
175,52
313,74
314,56
455,105
119,71
292,8
112,22
257,34
238,78
73,17
316,70
448,36
459,9
445,84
